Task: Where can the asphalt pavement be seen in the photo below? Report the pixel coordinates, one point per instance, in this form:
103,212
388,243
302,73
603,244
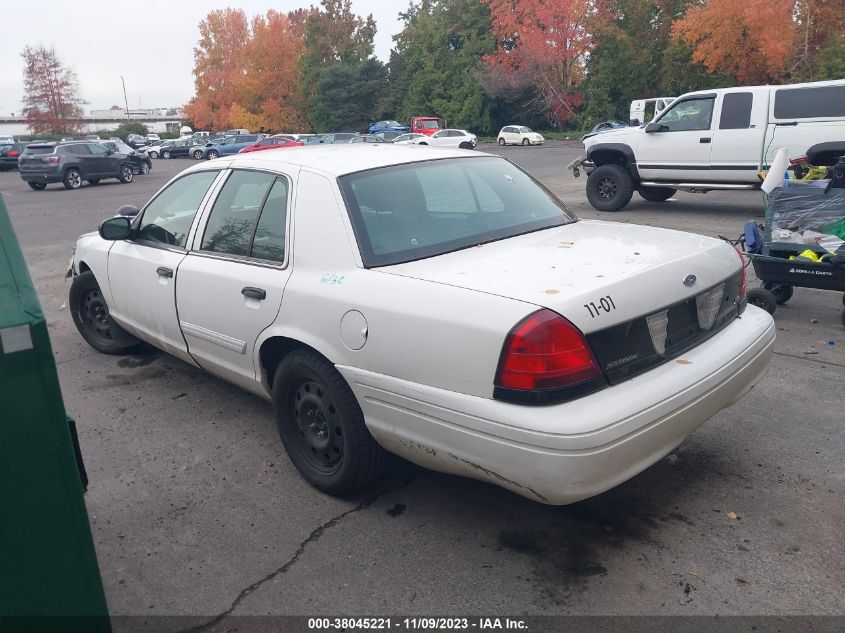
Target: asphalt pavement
196,509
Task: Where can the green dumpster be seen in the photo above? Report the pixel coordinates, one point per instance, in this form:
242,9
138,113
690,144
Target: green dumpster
49,578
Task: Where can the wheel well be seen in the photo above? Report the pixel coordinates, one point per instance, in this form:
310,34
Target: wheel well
83,268
273,350
608,156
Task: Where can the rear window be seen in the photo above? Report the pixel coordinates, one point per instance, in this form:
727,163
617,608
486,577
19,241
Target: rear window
736,111
810,103
39,149
5,148
423,209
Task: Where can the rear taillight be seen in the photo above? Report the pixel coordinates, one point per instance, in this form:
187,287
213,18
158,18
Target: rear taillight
742,283
13,153
545,352
50,159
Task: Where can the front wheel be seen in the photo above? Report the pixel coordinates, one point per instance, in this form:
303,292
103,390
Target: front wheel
501,141
212,154
90,315
38,186
609,187
145,168
322,425
198,154
126,174
525,142
72,179
165,154
153,154
656,194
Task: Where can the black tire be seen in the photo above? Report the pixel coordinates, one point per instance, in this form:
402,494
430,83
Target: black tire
212,154
465,146
782,292
72,179
762,298
38,186
609,187
526,142
198,154
501,141
165,154
322,425
145,168
656,194
90,314
126,174
422,143
152,154
93,181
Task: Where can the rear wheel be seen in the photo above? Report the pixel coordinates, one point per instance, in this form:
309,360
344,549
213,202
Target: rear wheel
126,174
91,316
72,179
165,154
198,154
501,141
38,186
153,154
656,194
212,154
781,292
762,298
609,187
145,168
322,425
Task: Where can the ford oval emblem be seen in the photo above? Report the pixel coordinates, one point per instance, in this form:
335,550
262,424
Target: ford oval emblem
690,280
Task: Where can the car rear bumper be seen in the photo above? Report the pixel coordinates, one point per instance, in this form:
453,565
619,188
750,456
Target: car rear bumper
41,176
8,162
563,453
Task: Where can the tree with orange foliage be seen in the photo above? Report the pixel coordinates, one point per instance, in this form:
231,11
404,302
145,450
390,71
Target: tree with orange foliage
542,45
219,64
750,40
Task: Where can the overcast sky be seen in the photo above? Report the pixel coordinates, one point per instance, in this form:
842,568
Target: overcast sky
150,43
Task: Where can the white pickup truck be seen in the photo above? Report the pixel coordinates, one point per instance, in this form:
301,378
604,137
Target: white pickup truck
709,140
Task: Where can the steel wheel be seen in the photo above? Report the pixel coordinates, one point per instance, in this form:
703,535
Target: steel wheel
94,314
90,314
320,434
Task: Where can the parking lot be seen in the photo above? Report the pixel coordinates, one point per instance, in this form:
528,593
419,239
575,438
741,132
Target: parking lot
196,509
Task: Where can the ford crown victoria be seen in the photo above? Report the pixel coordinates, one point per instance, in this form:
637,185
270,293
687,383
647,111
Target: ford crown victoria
433,303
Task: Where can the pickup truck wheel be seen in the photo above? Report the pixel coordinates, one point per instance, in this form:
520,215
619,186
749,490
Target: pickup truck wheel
609,187
90,315
762,298
656,194
72,179
126,174
38,186
322,425
781,292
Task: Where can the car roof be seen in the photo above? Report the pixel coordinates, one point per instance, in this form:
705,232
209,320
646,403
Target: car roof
339,160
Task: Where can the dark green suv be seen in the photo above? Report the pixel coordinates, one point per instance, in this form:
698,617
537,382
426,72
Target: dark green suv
72,162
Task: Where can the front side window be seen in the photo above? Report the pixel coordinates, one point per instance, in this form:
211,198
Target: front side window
168,217
237,224
97,150
525,130
689,115
408,212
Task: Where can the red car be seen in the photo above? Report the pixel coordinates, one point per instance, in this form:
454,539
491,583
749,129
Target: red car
271,142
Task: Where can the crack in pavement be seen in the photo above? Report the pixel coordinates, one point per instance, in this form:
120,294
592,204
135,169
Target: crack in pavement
812,360
312,537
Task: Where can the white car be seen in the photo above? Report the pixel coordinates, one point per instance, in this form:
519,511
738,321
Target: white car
407,139
448,138
431,303
152,137
519,135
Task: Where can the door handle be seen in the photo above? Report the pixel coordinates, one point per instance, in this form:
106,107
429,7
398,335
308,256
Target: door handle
164,272
704,139
254,293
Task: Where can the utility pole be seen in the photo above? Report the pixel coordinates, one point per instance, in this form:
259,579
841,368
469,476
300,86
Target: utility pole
125,100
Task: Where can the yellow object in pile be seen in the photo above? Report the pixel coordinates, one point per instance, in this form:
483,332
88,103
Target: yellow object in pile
808,255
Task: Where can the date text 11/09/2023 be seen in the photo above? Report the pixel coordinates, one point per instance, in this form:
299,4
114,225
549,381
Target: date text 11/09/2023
416,624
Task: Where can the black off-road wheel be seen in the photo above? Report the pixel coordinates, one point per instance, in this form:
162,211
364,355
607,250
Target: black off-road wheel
609,187
38,186
656,194
322,426
782,292
90,314
762,298
72,179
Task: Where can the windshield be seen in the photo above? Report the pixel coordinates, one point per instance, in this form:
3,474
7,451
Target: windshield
525,130
431,124
423,209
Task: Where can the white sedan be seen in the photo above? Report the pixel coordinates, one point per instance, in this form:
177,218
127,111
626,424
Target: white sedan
436,304
448,138
407,139
519,135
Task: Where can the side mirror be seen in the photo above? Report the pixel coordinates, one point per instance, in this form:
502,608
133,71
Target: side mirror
115,229
656,127
128,211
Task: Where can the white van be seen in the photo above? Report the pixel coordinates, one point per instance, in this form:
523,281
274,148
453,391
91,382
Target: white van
711,139
645,110
185,131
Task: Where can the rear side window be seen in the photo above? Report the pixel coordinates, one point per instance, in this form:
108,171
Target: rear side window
736,111
810,103
79,150
234,227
